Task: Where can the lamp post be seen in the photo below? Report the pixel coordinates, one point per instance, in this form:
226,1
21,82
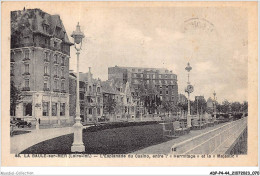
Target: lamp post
189,89
215,106
77,145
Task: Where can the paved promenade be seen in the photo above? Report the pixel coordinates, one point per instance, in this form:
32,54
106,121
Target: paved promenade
164,148
23,141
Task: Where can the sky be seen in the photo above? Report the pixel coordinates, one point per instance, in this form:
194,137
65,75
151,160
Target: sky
162,37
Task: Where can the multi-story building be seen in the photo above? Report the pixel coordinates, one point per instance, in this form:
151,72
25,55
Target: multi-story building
119,95
162,82
40,52
93,99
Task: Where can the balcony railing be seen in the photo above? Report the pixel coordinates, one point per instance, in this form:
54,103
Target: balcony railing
62,64
56,90
62,77
26,59
26,89
46,89
46,74
46,60
56,76
63,91
55,63
26,73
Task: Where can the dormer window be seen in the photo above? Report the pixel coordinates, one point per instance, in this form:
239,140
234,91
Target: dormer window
26,54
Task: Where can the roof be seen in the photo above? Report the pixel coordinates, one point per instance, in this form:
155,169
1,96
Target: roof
146,69
37,21
107,87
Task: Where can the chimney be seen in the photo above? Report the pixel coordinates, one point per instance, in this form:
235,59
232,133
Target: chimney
89,74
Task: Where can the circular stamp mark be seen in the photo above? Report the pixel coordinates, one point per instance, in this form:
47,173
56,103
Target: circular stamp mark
200,24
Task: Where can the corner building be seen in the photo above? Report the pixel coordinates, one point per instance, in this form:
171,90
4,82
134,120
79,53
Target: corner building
40,53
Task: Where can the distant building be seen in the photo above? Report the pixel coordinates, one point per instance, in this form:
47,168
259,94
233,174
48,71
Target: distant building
210,105
124,106
155,81
182,99
40,52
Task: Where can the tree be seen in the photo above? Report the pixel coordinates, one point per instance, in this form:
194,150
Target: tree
15,98
109,105
236,107
245,106
225,107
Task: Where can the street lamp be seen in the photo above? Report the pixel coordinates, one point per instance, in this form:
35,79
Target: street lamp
215,106
77,145
189,89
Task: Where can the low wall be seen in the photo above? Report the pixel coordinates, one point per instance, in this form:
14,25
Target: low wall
211,141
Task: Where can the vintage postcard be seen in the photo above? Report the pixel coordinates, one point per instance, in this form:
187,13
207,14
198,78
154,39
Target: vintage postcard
129,84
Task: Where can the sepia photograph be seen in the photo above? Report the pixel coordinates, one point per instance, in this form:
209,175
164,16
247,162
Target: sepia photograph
121,80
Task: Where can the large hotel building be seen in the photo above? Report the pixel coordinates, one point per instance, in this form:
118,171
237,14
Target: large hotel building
163,80
40,53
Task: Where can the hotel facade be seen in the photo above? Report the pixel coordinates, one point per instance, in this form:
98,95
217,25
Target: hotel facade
39,66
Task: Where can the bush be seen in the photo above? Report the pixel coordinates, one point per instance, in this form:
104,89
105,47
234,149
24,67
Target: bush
116,125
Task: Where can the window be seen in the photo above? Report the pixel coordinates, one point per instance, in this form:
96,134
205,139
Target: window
56,58
45,70
160,92
90,111
166,92
26,68
90,89
139,70
26,83
46,56
81,96
45,108
132,109
160,76
62,85
56,70
98,111
45,84
54,109
62,61
133,70
55,85
89,99
98,99
165,76
27,109
62,109
26,54
12,69
62,72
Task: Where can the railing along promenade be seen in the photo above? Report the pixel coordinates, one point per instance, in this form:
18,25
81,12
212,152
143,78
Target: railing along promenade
214,141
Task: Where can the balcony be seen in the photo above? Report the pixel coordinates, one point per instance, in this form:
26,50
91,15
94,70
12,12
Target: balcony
62,77
55,63
62,64
12,60
56,90
26,73
11,74
26,59
56,77
26,89
63,91
46,89
46,60
46,75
